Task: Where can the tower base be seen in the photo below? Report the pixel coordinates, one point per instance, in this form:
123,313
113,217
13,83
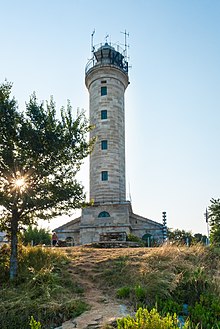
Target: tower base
110,222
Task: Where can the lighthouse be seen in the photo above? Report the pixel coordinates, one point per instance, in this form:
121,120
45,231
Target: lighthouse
109,217
106,80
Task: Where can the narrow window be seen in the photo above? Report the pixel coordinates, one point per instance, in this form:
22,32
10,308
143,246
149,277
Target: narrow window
104,114
104,145
103,91
104,175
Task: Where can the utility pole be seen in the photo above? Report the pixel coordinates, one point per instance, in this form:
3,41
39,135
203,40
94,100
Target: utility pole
206,214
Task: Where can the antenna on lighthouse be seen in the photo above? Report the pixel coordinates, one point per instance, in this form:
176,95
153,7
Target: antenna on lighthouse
126,34
106,37
92,46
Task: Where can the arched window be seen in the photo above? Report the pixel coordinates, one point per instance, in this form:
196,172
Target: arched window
103,214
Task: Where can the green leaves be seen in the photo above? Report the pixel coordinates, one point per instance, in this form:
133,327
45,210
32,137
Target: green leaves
44,150
214,221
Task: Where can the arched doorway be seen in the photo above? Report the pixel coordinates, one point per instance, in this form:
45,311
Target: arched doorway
69,241
148,239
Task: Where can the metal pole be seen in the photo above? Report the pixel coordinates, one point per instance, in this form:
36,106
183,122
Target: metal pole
207,222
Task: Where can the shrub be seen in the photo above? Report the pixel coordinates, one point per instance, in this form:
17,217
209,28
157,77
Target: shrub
134,238
34,324
123,292
206,312
150,320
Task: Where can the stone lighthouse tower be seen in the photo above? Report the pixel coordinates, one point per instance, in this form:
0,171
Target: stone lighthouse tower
109,218
106,80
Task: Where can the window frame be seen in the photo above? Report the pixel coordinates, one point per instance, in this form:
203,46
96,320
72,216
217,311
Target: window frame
104,144
104,114
104,90
104,175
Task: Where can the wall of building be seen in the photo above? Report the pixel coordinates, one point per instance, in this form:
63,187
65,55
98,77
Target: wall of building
92,225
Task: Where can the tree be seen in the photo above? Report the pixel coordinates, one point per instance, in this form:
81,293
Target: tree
185,237
35,236
40,156
214,221
180,236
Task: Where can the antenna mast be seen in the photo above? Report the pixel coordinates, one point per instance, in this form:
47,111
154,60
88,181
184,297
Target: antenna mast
92,46
126,34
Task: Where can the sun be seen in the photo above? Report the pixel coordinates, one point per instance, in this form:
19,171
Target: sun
20,182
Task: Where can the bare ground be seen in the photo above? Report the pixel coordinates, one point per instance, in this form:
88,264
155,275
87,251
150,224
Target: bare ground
104,308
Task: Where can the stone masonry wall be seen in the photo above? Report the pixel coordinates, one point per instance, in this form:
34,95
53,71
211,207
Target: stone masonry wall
111,129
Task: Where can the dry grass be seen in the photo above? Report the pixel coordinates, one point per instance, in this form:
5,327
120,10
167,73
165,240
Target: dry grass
161,271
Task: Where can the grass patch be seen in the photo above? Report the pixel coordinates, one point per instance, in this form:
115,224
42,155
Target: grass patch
44,289
168,277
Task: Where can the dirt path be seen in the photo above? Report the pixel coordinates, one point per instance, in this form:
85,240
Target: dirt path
103,308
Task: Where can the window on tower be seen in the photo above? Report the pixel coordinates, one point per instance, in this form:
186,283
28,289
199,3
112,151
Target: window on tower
104,145
103,91
104,175
104,114
104,214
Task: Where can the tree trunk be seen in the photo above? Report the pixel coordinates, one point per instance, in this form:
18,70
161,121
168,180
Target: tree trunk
14,246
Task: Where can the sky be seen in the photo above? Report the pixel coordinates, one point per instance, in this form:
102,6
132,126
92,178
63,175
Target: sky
172,105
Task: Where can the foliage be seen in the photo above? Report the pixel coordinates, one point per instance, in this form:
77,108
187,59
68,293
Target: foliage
4,262
214,222
185,237
44,289
123,292
206,311
145,319
169,277
134,238
34,324
40,156
36,236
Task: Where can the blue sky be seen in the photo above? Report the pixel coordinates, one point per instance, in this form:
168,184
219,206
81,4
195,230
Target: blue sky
172,103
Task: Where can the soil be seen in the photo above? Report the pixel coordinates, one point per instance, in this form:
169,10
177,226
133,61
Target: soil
104,308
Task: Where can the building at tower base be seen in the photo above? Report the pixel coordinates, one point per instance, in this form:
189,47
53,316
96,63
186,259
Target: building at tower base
110,217
97,225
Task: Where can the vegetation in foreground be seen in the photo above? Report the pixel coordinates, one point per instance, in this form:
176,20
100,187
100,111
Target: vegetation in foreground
43,289
167,280
175,280
41,151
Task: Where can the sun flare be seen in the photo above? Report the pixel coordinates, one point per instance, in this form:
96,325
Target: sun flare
20,182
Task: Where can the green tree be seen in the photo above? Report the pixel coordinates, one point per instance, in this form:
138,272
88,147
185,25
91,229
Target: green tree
184,237
214,221
180,236
36,236
40,156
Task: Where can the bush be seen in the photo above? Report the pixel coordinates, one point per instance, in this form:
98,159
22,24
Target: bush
206,312
134,238
34,324
123,292
150,320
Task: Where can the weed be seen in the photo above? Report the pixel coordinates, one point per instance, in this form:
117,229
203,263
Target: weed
123,292
34,324
150,320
